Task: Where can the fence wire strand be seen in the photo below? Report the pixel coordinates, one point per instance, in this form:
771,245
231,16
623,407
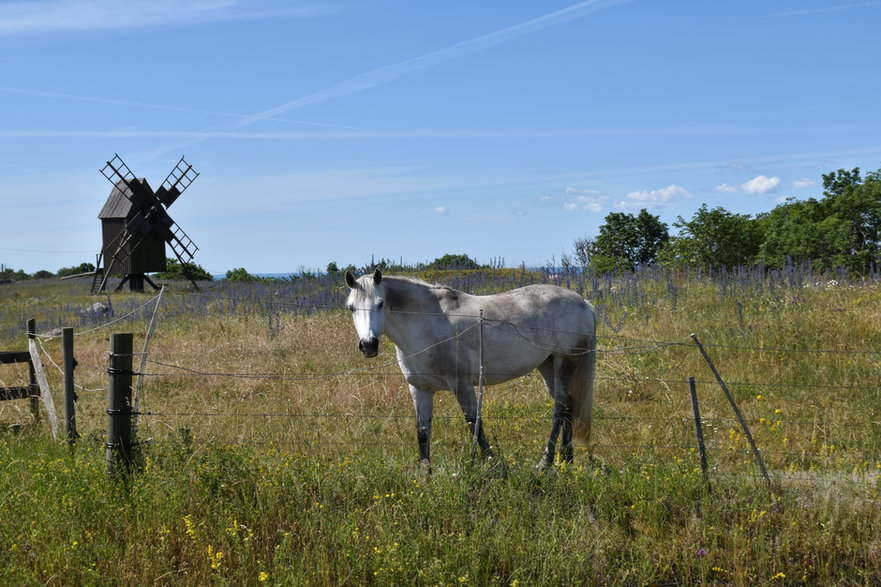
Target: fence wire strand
631,345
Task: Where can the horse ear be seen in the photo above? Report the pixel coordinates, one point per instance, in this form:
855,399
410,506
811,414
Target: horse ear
350,279
377,277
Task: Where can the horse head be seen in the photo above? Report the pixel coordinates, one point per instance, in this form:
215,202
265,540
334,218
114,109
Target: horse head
365,302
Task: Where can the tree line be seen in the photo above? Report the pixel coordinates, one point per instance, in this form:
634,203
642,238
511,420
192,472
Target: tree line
842,228
177,270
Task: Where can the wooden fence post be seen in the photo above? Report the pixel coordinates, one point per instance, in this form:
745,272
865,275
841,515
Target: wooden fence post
40,376
69,392
32,376
749,437
699,432
119,404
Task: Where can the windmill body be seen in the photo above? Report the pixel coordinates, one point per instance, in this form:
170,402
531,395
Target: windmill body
136,227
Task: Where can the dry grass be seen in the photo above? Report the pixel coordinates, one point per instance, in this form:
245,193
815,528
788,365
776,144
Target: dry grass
309,475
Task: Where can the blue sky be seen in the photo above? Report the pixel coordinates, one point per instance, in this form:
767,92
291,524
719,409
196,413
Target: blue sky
336,131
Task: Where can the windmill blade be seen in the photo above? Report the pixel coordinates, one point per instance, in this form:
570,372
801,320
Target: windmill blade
182,245
177,181
116,170
122,178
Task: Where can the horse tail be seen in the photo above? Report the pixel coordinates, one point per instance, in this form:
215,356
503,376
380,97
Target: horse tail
581,387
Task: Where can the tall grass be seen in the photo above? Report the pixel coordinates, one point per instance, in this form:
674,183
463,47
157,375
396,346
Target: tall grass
287,460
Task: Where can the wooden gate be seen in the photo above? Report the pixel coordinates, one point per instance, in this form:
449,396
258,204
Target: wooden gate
29,391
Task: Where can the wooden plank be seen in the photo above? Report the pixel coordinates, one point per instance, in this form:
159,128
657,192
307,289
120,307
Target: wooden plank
7,357
86,274
22,392
44,386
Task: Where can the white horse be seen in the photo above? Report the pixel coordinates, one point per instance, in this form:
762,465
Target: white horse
435,332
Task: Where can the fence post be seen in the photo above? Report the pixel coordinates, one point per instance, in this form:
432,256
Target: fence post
34,399
119,403
479,386
69,392
140,384
749,437
40,375
699,432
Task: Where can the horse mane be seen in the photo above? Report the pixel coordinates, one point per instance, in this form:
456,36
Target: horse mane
442,293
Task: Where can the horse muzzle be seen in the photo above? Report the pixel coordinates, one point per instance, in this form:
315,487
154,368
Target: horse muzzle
370,347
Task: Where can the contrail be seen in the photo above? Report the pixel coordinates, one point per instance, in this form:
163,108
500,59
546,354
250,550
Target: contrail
388,73
62,96
385,74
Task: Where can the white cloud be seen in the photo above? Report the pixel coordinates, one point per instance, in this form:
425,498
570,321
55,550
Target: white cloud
803,182
588,200
441,210
761,185
726,188
648,197
589,204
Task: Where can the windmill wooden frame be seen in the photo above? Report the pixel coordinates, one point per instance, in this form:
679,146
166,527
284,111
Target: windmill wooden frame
136,226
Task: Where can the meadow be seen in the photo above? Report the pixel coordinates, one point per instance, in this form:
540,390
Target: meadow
272,453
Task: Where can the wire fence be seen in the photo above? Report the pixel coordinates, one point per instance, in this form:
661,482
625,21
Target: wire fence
812,446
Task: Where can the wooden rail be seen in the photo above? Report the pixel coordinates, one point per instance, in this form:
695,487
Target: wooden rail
31,390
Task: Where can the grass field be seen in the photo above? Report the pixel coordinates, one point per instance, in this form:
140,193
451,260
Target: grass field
273,453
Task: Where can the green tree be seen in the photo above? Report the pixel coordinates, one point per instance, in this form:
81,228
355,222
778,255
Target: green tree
625,242
838,182
804,231
856,205
175,270
10,274
714,238
842,229
240,274
453,262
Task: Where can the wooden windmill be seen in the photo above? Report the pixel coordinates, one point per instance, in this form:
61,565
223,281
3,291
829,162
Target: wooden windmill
136,226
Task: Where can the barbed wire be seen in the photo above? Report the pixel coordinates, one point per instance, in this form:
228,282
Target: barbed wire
60,370
378,371
101,326
539,328
492,415
306,378
645,345
649,344
714,450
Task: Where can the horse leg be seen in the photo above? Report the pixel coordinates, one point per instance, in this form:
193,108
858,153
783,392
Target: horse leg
567,454
464,393
423,402
552,370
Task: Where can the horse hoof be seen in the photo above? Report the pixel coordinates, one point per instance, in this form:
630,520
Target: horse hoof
543,466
